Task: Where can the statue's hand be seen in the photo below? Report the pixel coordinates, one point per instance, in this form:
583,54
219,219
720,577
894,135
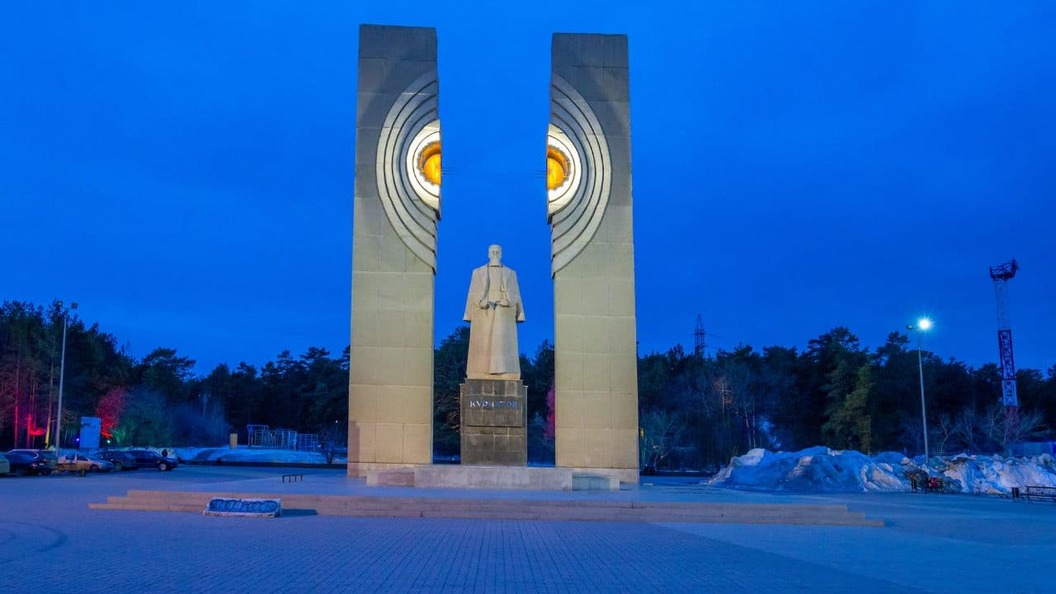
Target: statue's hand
504,303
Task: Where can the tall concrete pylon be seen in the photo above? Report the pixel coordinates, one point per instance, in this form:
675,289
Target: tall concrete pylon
396,213
592,255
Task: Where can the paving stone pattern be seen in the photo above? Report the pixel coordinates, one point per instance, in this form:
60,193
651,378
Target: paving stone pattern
51,542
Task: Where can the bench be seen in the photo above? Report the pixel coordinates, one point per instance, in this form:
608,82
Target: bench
1039,493
292,477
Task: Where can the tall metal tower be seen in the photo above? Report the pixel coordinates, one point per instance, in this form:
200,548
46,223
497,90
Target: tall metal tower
1001,275
699,340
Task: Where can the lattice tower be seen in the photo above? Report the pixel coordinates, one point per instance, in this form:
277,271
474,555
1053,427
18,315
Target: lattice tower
699,338
1001,274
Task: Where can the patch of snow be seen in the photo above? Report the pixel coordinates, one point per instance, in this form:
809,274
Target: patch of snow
820,469
220,455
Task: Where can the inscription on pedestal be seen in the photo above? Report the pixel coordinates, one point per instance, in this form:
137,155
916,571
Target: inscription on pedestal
494,422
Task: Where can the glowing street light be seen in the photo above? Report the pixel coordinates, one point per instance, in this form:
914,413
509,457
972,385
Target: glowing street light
922,325
62,371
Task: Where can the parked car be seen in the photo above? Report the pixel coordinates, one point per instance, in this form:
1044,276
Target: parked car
152,458
5,466
83,463
26,464
48,456
120,460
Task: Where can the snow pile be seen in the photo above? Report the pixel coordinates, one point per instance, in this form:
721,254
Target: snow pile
821,470
221,455
816,469
995,475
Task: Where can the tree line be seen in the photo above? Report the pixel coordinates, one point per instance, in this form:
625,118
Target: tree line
696,410
155,400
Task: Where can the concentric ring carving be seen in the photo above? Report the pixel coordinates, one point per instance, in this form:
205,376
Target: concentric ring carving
575,209
410,199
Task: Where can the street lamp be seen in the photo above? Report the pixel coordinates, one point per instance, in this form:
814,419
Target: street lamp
62,372
922,325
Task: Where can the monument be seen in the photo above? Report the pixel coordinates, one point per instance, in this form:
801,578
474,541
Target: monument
493,309
396,216
396,212
493,402
592,256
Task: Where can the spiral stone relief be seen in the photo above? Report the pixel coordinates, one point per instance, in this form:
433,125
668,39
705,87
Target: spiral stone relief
408,167
578,173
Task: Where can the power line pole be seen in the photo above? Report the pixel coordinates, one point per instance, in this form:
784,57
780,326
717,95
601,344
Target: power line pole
699,338
62,373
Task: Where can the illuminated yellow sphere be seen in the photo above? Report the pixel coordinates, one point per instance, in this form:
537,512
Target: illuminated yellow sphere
557,168
429,163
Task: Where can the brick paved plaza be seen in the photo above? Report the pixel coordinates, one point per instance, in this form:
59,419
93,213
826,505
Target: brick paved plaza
51,542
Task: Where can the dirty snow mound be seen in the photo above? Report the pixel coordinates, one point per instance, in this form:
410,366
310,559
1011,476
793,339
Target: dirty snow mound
822,470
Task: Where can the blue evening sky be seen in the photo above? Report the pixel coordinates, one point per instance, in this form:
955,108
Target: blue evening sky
184,170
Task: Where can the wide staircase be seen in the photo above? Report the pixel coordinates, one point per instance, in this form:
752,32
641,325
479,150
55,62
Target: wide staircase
506,509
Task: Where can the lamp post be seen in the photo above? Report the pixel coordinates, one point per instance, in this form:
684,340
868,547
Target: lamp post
62,373
922,325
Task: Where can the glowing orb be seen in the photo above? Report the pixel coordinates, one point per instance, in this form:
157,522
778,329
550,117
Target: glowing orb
429,163
557,168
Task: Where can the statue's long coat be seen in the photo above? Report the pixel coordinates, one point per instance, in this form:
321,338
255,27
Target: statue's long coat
493,330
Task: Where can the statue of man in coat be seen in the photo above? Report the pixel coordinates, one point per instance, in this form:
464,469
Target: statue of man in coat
493,309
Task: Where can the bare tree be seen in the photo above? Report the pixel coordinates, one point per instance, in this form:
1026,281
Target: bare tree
966,430
947,430
660,434
1018,426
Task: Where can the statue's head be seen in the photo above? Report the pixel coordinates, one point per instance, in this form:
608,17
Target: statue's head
494,254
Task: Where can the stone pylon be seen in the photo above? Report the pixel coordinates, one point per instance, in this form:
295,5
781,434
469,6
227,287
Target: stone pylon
592,255
396,212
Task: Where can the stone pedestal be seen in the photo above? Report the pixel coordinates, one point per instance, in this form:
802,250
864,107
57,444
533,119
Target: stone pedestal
494,422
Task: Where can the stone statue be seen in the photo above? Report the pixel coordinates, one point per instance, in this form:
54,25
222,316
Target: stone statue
493,309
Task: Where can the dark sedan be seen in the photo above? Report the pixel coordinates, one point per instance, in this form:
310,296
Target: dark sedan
120,460
49,456
147,458
25,464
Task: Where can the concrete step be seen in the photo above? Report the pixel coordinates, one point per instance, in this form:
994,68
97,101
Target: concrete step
483,506
553,510
492,477
480,505
391,478
687,511
205,496
594,482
